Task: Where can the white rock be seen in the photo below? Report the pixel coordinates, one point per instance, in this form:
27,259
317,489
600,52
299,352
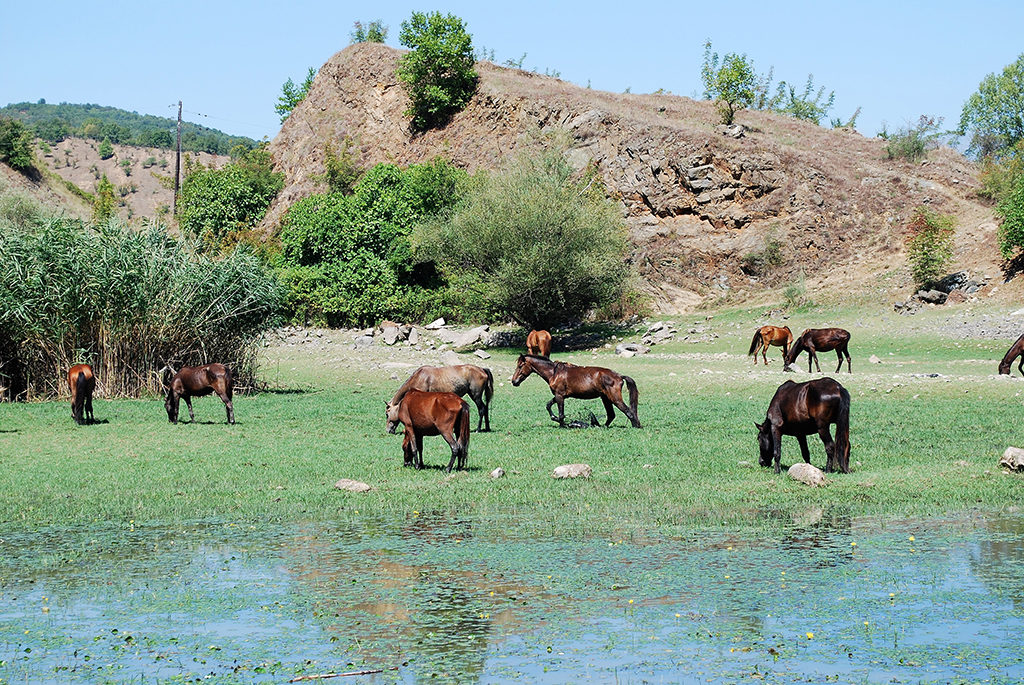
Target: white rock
874,360
807,474
481,354
497,473
447,336
1013,459
572,471
449,358
414,337
435,325
352,485
391,335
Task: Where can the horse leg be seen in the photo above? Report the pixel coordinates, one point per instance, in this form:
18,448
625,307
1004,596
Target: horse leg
777,448
814,356
764,352
561,410
419,450
453,442
609,407
785,353
188,403
1020,367
551,414
481,411
839,353
830,449
849,368
407,449
806,453
229,407
88,409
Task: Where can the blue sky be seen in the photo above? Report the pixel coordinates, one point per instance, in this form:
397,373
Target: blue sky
228,60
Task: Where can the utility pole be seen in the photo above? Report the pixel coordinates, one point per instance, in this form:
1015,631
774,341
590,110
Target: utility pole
177,165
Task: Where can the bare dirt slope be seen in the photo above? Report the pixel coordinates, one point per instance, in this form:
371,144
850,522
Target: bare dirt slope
696,199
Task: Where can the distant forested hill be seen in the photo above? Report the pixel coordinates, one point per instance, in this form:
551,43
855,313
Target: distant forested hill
54,123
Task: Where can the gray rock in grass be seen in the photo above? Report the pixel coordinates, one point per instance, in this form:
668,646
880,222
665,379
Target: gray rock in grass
352,485
807,474
573,471
1013,459
497,473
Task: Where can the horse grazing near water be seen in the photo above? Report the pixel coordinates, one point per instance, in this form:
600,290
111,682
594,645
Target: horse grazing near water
198,381
581,382
431,413
462,379
1016,350
801,409
82,383
821,340
770,335
538,343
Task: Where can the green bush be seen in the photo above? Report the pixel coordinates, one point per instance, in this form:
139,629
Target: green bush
913,142
438,71
105,150
537,241
292,95
731,81
105,204
341,170
16,145
765,260
1011,210
929,245
374,32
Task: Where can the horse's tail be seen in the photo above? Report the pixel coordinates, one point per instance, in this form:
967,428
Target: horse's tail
842,443
80,390
462,430
755,343
488,387
634,398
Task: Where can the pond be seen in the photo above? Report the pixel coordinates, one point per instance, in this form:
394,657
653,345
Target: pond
804,597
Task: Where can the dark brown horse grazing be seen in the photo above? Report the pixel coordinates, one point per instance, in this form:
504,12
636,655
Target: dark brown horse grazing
431,413
821,340
581,382
1016,350
462,379
801,409
197,381
82,383
539,343
770,335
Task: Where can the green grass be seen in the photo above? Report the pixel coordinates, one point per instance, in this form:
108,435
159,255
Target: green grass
919,445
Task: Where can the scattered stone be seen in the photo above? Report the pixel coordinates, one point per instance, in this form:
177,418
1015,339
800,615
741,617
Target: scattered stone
1013,459
414,336
363,341
352,485
874,360
446,336
497,473
931,296
434,325
391,335
572,471
952,281
733,130
449,358
655,327
807,474
470,337
956,297
629,349
481,354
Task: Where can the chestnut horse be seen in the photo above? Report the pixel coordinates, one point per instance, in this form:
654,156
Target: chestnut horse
1016,350
197,381
538,343
821,340
462,379
770,335
82,383
581,382
801,409
431,413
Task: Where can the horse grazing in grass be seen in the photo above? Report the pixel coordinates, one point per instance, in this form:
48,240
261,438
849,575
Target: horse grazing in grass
1016,350
538,343
821,340
770,335
801,409
431,413
463,379
581,382
82,383
198,381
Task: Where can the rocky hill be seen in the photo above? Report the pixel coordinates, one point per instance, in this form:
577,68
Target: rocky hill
698,197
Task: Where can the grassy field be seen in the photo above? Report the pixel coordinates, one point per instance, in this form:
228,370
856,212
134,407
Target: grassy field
920,444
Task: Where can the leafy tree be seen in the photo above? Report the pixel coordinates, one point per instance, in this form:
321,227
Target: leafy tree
804,106
929,245
994,115
16,144
438,71
731,81
374,32
292,95
105,150
52,130
1011,209
105,204
536,240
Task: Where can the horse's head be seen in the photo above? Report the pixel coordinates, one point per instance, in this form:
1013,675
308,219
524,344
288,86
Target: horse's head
170,404
391,416
523,369
764,442
1004,368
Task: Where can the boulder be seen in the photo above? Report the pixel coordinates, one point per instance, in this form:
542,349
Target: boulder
470,337
414,336
572,471
807,474
953,281
1013,459
956,297
444,335
434,325
390,335
497,473
363,341
629,349
481,354
874,360
352,485
449,358
932,296
655,327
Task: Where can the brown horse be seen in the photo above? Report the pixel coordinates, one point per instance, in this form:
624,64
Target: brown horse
197,381
462,379
538,343
821,340
1016,350
431,413
581,382
801,409
770,335
82,383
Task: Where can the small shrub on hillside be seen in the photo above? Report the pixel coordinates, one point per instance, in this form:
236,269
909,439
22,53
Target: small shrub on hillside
126,166
105,204
292,95
105,150
341,170
373,32
438,71
730,81
1011,230
148,162
16,145
913,142
795,293
929,245
765,260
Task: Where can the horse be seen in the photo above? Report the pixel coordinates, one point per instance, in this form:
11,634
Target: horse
463,379
770,335
197,381
538,343
581,382
1016,350
82,383
801,409
431,413
821,340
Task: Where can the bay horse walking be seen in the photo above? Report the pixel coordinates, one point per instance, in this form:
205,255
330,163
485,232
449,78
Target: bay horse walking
462,379
581,382
1016,350
770,335
538,343
82,383
431,413
198,381
821,340
800,409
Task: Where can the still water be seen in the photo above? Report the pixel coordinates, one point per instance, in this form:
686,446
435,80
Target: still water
813,596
